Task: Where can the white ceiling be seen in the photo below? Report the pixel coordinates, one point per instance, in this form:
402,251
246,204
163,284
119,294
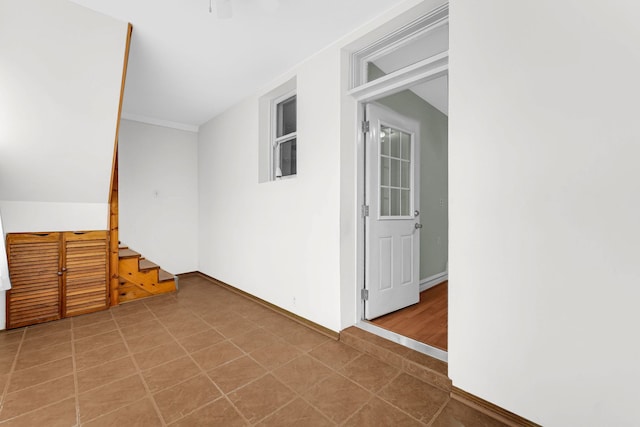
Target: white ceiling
187,66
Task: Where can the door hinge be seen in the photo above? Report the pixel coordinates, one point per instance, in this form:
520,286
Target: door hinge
365,211
365,126
364,294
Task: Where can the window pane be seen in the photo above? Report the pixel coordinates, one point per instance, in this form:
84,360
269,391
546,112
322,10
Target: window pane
384,140
384,202
286,117
404,202
395,202
395,173
384,171
288,157
395,142
429,44
404,180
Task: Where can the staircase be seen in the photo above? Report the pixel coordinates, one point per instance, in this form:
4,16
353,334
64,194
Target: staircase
141,278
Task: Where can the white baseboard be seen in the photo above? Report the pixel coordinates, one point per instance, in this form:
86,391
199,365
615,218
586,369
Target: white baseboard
431,281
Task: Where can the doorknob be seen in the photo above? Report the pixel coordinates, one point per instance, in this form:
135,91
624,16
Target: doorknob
418,225
416,212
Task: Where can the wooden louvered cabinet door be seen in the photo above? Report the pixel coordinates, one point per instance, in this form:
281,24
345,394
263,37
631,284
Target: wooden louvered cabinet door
85,279
34,266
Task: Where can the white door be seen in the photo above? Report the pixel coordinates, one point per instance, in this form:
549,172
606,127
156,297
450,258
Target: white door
392,246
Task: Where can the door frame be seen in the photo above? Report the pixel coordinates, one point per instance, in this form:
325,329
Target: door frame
428,69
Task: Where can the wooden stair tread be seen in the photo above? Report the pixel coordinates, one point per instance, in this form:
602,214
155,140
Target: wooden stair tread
127,253
145,264
164,276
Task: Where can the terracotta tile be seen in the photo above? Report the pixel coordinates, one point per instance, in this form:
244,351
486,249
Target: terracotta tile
305,338
217,316
181,399
297,413
254,340
60,414
38,357
370,372
276,354
135,319
4,379
218,413
186,328
103,374
335,353
302,373
139,414
170,374
145,342
216,355
458,414
235,325
47,328
109,397
261,398
97,341
193,343
377,413
45,341
258,313
7,337
237,373
40,374
100,355
6,362
158,355
337,397
28,399
415,397
427,361
94,329
427,375
128,308
89,319
144,328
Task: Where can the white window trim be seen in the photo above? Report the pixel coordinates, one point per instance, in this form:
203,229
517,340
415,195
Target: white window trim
275,141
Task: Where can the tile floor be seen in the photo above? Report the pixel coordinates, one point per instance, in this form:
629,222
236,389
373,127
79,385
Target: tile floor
206,356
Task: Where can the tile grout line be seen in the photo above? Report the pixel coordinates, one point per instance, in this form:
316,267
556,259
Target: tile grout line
439,411
5,391
75,373
202,371
139,373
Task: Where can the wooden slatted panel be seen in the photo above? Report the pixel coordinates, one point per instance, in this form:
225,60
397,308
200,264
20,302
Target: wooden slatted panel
34,263
86,278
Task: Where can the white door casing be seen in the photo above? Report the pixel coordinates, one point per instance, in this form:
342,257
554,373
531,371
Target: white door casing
392,191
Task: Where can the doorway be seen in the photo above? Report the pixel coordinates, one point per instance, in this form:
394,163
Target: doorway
405,76
410,303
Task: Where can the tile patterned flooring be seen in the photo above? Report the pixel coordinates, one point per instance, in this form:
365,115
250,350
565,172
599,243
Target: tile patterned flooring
206,356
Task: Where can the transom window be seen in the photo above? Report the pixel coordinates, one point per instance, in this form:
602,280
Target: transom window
285,138
395,172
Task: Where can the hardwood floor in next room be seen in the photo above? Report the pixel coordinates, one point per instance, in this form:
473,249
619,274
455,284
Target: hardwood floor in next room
426,321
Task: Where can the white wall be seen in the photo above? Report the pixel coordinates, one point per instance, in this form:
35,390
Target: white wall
158,194
276,240
544,208
60,78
